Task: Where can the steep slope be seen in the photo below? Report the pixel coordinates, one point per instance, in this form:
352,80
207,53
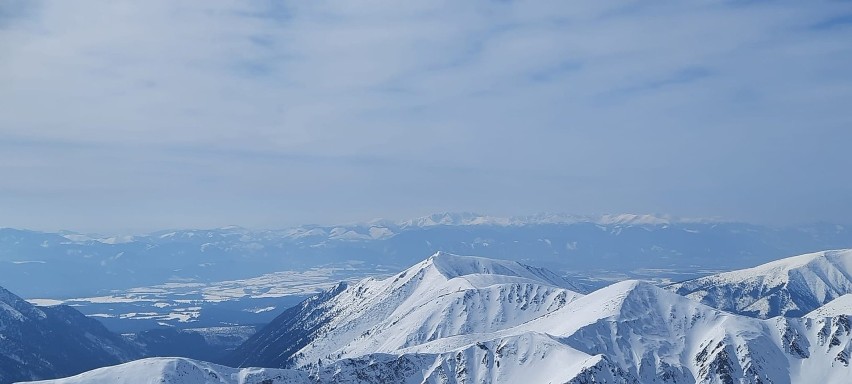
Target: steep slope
530,358
442,296
453,319
660,337
839,306
53,341
790,287
663,337
526,357
633,331
174,370
821,347
630,332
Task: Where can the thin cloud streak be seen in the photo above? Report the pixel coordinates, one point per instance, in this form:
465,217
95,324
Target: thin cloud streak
278,113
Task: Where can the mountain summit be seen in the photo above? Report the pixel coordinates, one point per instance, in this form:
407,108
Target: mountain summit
458,319
788,287
466,319
443,296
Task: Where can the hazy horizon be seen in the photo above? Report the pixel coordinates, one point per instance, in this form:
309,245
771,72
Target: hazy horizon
135,116
109,232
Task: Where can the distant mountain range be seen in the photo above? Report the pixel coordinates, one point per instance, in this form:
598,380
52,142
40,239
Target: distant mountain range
606,248
460,319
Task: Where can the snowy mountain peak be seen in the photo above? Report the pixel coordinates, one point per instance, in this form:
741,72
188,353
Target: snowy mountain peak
182,371
630,291
817,260
443,296
792,286
452,266
630,300
461,319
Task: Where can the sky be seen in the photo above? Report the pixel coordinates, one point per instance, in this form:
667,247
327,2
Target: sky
140,115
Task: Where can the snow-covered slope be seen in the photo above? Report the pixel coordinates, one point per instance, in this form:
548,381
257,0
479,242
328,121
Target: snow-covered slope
791,287
47,342
443,296
453,319
175,370
527,359
628,332
645,334
660,337
839,306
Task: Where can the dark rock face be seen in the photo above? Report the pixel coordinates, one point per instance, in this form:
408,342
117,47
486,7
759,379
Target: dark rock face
835,332
50,342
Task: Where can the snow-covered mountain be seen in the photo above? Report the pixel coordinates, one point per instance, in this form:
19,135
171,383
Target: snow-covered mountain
444,296
47,342
839,306
450,368
431,323
630,332
790,287
173,370
455,319
660,337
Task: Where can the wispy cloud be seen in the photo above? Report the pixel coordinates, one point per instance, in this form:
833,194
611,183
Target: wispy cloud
323,111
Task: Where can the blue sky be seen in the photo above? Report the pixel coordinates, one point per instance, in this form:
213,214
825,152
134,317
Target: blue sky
128,115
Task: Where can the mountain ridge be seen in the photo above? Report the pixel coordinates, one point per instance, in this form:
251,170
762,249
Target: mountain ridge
791,287
53,341
636,331
436,298
455,319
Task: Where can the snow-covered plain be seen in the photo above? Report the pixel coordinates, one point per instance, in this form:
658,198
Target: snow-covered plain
248,301
600,249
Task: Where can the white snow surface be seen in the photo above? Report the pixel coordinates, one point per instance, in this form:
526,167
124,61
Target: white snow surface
839,306
175,370
455,319
526,359
792,287
445,295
